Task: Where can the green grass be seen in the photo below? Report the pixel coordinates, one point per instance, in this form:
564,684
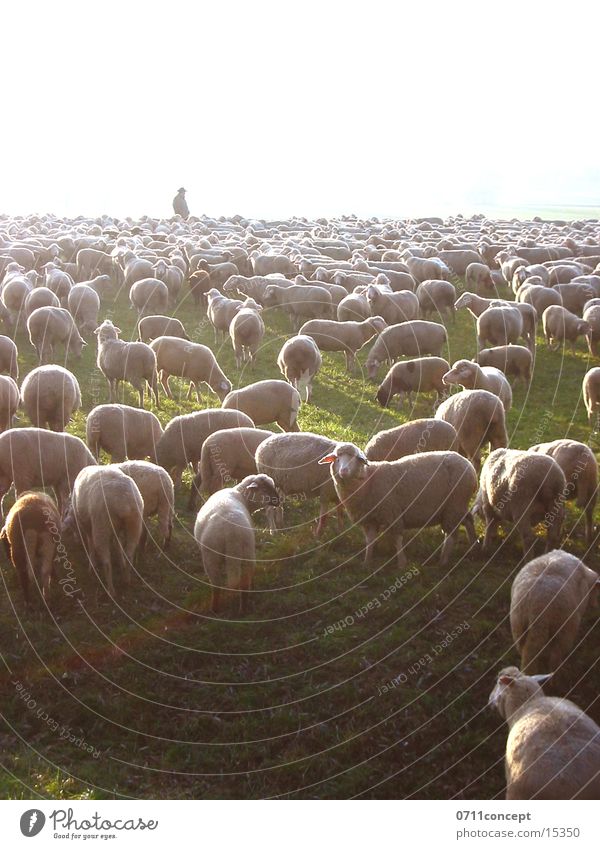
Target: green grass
177,704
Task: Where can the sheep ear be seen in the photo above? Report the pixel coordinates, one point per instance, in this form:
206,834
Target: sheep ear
327,459
506,680
541,678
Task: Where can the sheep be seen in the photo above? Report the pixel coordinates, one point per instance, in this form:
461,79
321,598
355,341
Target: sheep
420,375
158,494
221,311
523,488
149,295
426,269
246,332
479,277
30,536
172,277
50,395
84,305
291,460
107,509
299,361
33,457
225,535
458,260
354,307
411,438
553,747
436,296
393,307
226,455
478,417
591,395
263,264
432,488
40,297
200,284
253,287
411,339
540,297
300,301
181,442
561,326
9,357
134,362
58,281
123,432
189,361
152,326
574,296
548,600
346,336
470,375
338,293
515,360
267,401
47,326
15,290
477,306
499,325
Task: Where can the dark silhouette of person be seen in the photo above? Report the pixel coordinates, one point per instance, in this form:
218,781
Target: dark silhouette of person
180,206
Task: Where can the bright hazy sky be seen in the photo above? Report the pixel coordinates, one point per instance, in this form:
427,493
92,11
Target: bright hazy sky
271,109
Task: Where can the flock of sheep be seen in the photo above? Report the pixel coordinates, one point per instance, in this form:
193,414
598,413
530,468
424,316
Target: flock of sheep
344,284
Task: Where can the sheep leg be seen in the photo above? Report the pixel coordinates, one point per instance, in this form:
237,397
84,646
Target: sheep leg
47,552
447,547
370,537
400,555
589,524
164,379
469,526
4,489
491,533
270,511
215,602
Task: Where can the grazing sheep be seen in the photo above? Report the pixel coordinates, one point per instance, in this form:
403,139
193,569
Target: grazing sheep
426,269
300,302
437,296
40,297
181,442
346,336
499,325
591,315
58,281
9,357
9,401
149,296
354,307
49,325
432,488
591,395
189,361
50,395
562,326
299,361
122,431
420,375
264,264
411,438
15,290
574,296
225,535
478,417
33,457
246,332
200,285
30,535
410,339
84,305
479,277
172,277
548,600
158,494
540,297
515,360
525,489
267,401
477,306
152,326
393,307
553,747
221,311
134,362
107,509
470,375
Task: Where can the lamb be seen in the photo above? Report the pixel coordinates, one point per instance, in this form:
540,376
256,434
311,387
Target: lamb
523,488
291,460
591,395
9,357
181,442
221,311
470,375
122,431
84,305
300,301
346,336
190,361
50,395
479,277
40,297
158,494
433,488
478,417
580,468
393,307
225,535
30,536
134,362
226,455
562,326
437,296
354,307
411,339
549,597
515,360
411,438
107,509
267,401
149,296
152,326
49,325
420,375
246,331
33,457
553,747
499,325
299,361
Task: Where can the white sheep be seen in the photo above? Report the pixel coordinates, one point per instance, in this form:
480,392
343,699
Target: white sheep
123,432
591,395
50,395
471,375
152,326
346,336
299,361
49,325
267,401
84,305
158,494
478,417
411,438
9,357
189,361
246,331
134,362
9,401
149,296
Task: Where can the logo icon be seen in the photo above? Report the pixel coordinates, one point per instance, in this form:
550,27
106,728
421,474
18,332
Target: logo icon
32,822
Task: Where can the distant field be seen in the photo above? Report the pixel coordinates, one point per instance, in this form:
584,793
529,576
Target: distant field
565,213
150,696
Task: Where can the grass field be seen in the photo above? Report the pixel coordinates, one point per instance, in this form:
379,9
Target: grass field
150,696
